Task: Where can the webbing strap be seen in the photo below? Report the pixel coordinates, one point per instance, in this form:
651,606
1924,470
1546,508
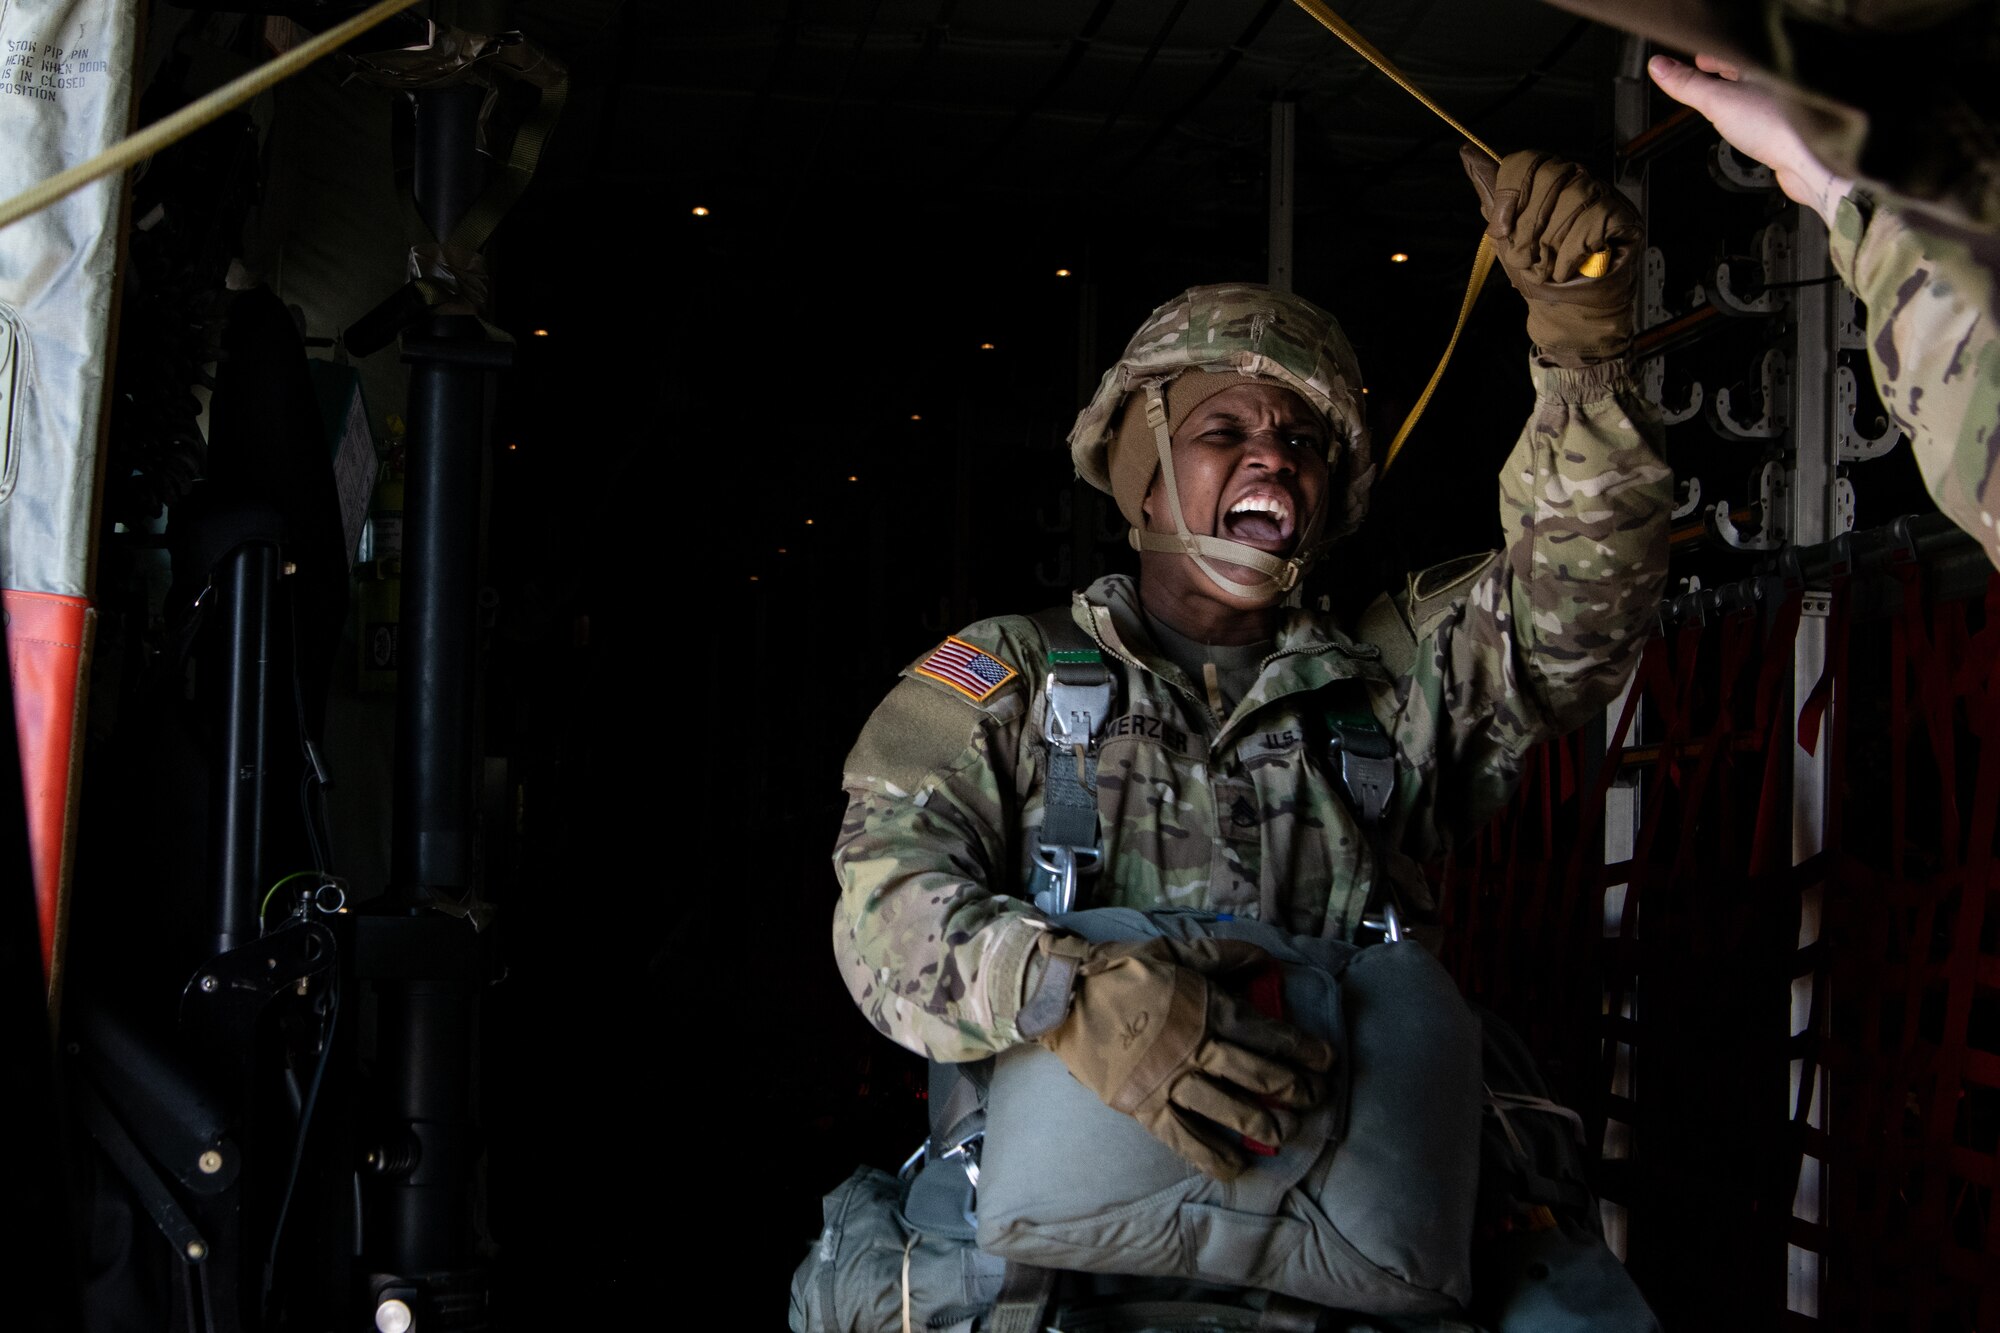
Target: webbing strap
1482,265
1482,261
1068,844
1594,266
1361,46
1023,1303
472,230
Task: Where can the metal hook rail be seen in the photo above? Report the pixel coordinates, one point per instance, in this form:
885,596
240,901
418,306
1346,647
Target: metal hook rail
1953,563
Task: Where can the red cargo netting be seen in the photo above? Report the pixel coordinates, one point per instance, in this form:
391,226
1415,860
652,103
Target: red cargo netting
1790,1058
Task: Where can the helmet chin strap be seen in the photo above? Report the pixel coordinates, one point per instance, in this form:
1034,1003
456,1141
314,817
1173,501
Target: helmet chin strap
1279,576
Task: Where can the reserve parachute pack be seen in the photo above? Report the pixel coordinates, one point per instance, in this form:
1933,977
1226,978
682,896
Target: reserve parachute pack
1365,1219
1367,1207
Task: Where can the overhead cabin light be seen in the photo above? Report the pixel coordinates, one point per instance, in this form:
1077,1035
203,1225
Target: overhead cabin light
916,416
809,522
541,333
700,211
986,347
852,477
1062,273
1399,258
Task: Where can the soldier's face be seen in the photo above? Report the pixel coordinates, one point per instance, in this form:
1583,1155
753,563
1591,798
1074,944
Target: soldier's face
1251,467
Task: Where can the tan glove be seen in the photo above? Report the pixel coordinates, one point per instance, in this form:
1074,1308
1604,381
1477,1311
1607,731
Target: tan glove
1152,1031
1546,217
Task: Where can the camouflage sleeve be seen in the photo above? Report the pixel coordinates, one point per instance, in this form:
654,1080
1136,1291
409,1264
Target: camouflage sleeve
1930,289
932,949
1549,633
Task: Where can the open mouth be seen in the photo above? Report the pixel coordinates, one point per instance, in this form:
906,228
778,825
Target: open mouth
1261,519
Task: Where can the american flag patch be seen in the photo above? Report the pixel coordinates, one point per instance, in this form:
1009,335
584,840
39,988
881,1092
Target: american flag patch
973,673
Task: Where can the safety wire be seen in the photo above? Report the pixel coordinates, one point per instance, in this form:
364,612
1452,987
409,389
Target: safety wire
1482,263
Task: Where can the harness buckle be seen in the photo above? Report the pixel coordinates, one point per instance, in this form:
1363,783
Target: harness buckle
1065,864
1367,766
1076,711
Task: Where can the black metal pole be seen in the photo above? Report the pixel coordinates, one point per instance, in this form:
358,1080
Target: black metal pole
244,583
441,519
420,1236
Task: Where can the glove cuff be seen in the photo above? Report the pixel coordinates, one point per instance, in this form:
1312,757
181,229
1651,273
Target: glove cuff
1044,1011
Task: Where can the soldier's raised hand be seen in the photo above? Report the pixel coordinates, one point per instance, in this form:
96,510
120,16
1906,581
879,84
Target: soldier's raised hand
1547,217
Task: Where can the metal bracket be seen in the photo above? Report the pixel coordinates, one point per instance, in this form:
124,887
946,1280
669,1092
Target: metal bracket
1769,534
1849,333
1774,251
1652,289
1653,383
1843,505
1689,498
1739,174
1856,447
1775,384
223,1000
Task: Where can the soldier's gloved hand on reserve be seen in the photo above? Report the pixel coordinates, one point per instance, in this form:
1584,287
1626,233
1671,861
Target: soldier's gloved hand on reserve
1154,1031
1547,217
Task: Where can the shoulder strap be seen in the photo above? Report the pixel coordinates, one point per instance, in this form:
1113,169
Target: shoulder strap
1397,622
1080,697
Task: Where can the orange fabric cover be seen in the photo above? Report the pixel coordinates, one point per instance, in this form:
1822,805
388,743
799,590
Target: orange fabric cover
48,646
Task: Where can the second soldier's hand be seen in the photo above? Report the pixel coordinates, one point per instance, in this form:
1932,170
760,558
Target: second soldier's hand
1749,117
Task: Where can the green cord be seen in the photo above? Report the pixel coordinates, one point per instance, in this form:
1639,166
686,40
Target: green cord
265,906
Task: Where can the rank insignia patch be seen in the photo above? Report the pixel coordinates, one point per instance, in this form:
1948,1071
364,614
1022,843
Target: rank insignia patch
973,673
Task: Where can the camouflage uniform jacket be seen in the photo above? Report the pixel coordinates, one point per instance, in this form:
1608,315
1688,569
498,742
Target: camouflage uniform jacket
1242,814
1933,292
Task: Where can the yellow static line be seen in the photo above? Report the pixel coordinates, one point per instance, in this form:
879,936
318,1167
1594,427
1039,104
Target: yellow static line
1594,266
136,148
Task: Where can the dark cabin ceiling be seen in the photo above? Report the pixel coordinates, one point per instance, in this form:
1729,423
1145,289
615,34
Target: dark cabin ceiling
892,183
1117,109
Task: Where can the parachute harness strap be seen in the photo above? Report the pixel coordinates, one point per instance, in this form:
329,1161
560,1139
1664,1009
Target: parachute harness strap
1280,576
1594,266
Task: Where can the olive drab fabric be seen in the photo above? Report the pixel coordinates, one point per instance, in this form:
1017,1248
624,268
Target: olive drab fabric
1241,814
1933,292
1546,217
1156,1032
1245,329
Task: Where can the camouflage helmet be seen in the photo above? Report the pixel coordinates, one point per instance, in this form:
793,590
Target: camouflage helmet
1263,334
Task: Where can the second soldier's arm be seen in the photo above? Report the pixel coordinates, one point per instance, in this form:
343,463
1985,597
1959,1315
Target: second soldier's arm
1932,292
1931,287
